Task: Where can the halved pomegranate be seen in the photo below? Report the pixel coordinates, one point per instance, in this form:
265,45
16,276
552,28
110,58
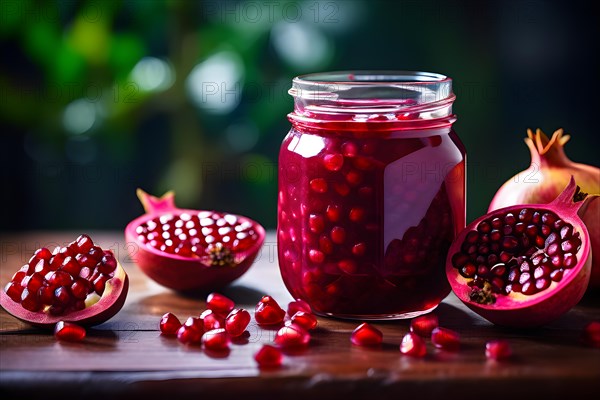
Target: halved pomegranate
79,283
523,265
188,250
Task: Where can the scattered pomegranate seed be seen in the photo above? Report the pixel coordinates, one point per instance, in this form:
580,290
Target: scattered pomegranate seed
69,332
268,357
413,345
445,339
169,324
191,331
292,335
305,320
219,303
268,312
236,322
366,335
424,325
591,334
216,340
298,305
212,320
498,350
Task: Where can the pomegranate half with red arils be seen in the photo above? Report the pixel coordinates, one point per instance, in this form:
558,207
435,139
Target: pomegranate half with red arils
79,283
188,250
524,265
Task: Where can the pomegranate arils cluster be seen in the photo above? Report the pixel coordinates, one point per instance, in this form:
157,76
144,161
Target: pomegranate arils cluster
207,235
521,252
61,281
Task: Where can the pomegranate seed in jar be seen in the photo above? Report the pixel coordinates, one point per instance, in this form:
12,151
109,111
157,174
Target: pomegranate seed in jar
219,303
69,332
366,335
169,324
413,345
268,357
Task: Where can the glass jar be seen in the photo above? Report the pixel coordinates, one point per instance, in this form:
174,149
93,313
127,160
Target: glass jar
371,193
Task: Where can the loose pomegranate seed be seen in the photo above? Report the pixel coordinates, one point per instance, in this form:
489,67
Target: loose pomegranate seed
268,357
69,332
413,345
591,334
216,340
424,325
292,335
169,324
236,322
219,303
305,320
298,305
268,312
366,335
498,350
191,331
445,339
212,320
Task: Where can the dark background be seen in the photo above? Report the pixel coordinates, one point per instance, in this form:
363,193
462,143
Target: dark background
100,97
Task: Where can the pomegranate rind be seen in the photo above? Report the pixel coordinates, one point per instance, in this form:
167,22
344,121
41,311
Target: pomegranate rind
180,273
110,303
519,310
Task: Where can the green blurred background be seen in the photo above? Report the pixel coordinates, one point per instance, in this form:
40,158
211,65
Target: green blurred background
101,97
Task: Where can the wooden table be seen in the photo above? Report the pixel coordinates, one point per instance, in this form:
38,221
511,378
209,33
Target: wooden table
127,356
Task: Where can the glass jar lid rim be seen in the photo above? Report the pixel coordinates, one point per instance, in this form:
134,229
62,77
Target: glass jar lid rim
369,77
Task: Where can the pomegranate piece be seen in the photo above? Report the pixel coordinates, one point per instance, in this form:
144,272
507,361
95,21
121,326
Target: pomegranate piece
216,340
268,312
498,350
366,335
169,324
305,320
68,281
268,357
292,335
69,332
424,324
219,303
445,339
191,331
413,345
591,334
523,265
298,305
236,322
174,244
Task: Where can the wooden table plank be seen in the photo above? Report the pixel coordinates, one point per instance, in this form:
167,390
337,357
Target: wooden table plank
128,354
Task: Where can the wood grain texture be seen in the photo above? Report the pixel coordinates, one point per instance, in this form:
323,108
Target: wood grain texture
127,356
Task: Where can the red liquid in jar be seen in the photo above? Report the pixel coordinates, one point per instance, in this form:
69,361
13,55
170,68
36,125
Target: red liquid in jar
366,216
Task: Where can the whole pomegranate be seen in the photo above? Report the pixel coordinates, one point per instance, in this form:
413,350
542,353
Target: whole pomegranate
523,265
191,249
549,172
78,283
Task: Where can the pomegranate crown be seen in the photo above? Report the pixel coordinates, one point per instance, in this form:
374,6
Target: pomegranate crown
154,204
549,150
